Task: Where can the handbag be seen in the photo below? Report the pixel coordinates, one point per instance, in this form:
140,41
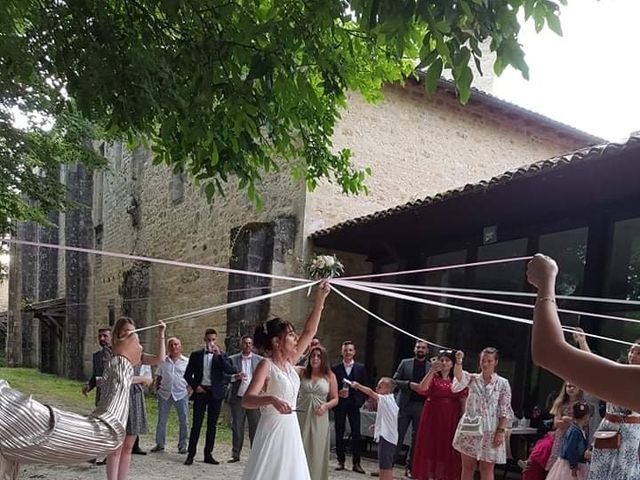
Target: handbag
607,440
471,425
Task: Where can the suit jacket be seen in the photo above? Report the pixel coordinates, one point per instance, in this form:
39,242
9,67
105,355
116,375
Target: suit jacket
358,374
234,385
220,364
100,360
403,376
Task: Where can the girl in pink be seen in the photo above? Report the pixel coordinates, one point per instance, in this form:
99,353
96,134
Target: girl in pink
574,453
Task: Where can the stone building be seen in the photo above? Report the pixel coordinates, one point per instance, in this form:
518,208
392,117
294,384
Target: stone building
417,145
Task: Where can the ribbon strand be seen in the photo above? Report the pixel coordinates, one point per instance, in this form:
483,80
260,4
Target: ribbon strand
173,263
465,309
436,269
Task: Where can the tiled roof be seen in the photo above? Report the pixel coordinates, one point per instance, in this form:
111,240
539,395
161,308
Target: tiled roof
578,156
507,107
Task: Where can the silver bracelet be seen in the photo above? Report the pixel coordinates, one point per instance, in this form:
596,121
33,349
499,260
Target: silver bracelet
546,299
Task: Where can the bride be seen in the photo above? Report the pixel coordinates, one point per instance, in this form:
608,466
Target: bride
277,451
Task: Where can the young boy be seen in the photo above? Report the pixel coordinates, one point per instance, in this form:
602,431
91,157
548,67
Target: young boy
386,427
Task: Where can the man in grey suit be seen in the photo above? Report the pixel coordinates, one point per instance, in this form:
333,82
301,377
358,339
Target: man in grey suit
246,363
100,360
410,403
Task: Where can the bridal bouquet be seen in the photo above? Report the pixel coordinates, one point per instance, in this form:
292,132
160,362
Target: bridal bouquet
324,266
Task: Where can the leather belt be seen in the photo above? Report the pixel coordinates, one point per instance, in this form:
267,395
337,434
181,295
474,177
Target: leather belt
621,419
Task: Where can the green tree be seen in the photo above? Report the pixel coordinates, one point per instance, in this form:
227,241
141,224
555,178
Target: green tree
227,89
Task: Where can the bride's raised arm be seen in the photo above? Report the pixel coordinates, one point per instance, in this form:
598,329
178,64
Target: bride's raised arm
311,326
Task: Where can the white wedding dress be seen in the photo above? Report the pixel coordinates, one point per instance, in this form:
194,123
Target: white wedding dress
277,452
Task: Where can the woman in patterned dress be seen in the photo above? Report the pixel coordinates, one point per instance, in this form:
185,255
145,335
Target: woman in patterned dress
118,462
622,463
489,399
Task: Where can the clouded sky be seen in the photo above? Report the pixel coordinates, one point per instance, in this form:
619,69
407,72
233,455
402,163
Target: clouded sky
590,77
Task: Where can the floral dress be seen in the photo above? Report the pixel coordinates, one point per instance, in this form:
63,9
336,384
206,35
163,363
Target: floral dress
623,463
490,401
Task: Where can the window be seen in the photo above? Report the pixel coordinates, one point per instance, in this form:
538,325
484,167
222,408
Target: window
623,281
569,249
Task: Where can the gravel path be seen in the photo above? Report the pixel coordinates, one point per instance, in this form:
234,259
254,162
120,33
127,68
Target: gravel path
168,465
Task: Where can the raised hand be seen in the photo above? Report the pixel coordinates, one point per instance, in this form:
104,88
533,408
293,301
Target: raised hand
541,270
459,357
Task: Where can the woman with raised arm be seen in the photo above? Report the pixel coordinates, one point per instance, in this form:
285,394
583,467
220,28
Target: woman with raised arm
480,437
118,462
277,450
601,377
434,457
31,432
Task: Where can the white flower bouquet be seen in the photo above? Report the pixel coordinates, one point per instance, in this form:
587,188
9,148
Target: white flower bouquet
324,266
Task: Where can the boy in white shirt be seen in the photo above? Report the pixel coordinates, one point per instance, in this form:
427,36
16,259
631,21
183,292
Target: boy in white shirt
386,427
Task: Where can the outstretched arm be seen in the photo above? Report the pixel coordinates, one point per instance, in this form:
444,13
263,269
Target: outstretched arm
159,357
311,326
599,376
366,390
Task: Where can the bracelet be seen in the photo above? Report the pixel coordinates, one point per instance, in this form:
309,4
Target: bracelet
545,299
499,430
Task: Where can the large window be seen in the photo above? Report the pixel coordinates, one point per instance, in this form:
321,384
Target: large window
623,281
435,322
569,249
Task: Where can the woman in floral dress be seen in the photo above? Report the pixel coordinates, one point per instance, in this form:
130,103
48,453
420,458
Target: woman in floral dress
489,399
622,463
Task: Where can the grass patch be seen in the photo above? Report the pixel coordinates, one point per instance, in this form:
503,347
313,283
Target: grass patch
66,393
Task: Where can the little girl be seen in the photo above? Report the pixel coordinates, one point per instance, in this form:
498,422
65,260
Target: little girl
574,452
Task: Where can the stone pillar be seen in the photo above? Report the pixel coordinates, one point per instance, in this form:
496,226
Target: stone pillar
135,292
28,279
251,249
78,233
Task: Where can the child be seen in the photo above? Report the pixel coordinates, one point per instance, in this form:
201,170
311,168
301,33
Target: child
573,455
386,428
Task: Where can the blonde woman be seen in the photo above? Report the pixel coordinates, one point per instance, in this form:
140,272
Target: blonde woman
490,402
118,462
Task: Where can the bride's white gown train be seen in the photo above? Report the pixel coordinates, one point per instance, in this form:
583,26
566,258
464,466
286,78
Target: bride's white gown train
277,452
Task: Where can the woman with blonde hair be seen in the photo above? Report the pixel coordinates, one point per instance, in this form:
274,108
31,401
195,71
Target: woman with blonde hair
118,462
480,435
318,394
562,411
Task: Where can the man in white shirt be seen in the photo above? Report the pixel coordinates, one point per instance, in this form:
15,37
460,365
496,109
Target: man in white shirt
172,389
245,363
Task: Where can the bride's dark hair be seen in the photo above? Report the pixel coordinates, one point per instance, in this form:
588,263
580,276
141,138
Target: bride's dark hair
265,333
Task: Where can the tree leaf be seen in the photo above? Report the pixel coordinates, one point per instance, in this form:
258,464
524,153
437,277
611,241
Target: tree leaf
433,75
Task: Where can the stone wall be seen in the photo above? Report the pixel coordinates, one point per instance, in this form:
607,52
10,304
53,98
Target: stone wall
146,210
419,145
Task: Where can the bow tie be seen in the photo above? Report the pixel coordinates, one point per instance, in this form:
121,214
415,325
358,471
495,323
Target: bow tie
208,353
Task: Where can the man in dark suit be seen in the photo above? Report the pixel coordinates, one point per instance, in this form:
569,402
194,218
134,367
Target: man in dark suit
245,363
410,403
100,360
349,404
205,375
